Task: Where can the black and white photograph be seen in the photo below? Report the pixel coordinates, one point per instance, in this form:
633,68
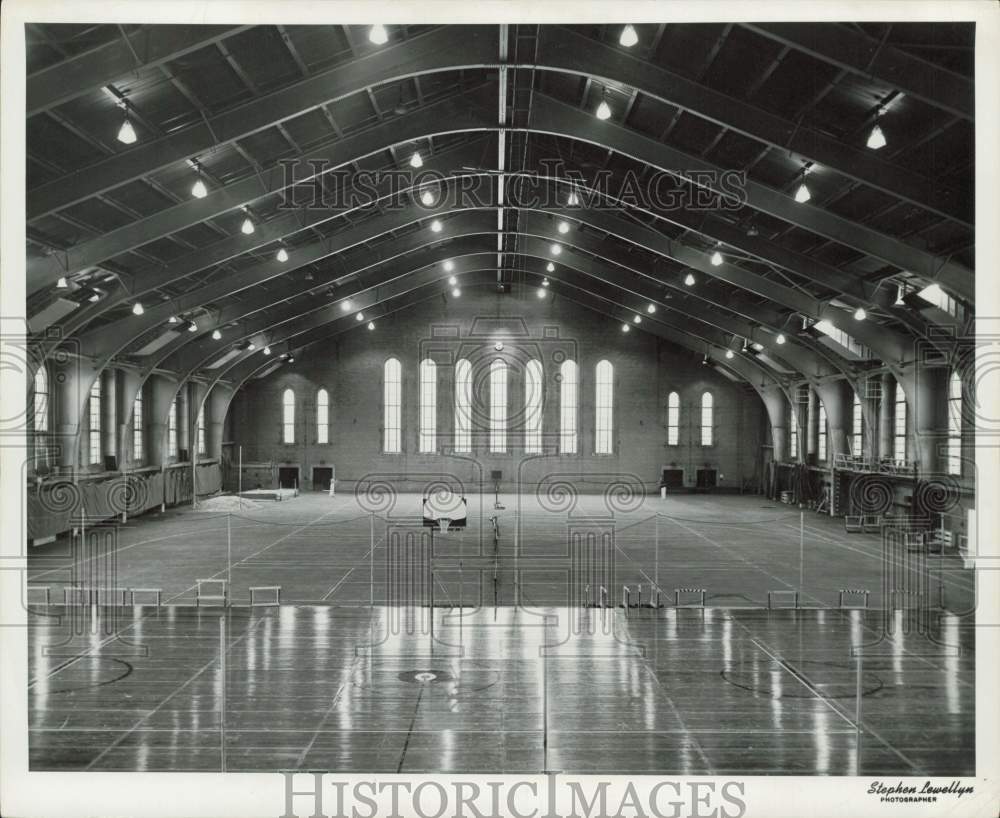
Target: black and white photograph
570,409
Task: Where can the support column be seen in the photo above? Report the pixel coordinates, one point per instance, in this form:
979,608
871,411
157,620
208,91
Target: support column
777,408
811,443
885,416
160,394
929,412
838,398
215,416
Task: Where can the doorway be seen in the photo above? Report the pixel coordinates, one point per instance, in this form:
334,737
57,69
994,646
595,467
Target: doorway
288,477
322,475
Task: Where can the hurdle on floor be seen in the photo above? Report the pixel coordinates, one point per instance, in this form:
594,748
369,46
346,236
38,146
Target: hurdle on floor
699,591
74,595
211,592
38,590
775,597
853,593
140,594
263,590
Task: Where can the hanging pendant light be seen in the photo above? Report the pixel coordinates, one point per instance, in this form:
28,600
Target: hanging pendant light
126,133
628,37
603,111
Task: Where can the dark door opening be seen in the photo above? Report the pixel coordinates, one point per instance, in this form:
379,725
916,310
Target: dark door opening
672,479
288,477
322,475
706,479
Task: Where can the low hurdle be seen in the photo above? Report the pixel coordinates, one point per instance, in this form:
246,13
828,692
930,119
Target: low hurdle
775,596
138,593
864,593
221,597
42,590
701,597
74,595
255,590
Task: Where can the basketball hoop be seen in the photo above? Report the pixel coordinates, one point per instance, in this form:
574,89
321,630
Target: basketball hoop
443,523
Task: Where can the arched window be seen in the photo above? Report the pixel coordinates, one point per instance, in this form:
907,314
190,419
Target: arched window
287,419
322,416
94,416
857,440
40,418
793,433
172,448
498,406
533,387
821,433
955,424
428,406
604,376
673,419
899,424
138,424
392,406
203,449
463,406
567,408
707,418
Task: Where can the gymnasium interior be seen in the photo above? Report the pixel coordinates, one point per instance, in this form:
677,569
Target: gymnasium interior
584,398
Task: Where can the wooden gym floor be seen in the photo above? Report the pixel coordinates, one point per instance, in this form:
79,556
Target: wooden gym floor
331,681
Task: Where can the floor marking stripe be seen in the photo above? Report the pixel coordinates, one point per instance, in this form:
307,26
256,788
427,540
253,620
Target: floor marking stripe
251,625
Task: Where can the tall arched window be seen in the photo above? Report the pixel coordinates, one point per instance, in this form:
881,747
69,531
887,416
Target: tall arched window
955,424
498,406
138,427
287,418
604,376
172,448
40,418
567,408
392,406
673,419
821,433
857,439
533,386
793,433
94,409
463,406
322,416
428,406
707,418
203,448
899,424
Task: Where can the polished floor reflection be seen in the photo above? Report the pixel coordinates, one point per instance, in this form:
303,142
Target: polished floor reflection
512,689
329,550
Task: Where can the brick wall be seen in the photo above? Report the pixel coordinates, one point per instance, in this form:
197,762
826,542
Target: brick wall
646,370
